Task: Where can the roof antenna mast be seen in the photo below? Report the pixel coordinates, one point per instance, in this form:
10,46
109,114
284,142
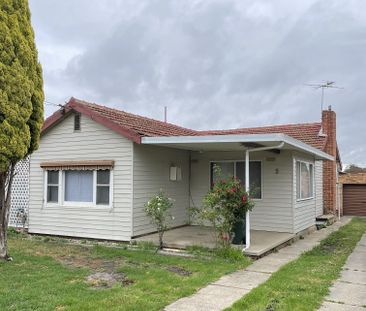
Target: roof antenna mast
323,85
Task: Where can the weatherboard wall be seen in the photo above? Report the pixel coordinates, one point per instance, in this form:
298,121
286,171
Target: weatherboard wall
274,212
151,165
93,142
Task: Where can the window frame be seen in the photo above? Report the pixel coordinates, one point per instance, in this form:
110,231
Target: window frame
61,193
298,181
45,175
235,161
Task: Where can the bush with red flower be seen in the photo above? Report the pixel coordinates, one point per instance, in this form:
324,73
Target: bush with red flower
225,204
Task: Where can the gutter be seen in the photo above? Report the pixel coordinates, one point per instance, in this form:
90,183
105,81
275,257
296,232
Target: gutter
236,138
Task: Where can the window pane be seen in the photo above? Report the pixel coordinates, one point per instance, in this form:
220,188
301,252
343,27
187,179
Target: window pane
311,180
103,177
240,172
79,186
227,170
305,181
255,179
103,195
52,177
52,194
298,179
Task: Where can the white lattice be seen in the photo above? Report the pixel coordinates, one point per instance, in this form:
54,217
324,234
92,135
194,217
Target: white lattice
20,195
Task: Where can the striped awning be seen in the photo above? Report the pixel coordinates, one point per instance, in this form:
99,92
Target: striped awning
79,165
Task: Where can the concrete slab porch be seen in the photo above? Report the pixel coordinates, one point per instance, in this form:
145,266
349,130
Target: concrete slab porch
261,241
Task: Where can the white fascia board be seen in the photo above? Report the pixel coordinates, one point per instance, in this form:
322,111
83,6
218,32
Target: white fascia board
211,139
247,138
301,145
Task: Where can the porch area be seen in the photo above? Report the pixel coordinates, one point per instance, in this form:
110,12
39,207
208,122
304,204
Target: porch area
261,241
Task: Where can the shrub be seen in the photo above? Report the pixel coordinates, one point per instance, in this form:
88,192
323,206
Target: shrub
224,204
158,211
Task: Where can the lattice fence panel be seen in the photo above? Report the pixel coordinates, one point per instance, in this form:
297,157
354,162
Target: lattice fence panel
20,196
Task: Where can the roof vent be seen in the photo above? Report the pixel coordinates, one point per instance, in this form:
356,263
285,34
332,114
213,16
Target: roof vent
77,122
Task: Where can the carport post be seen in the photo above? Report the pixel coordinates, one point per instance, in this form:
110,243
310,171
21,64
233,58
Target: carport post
247,216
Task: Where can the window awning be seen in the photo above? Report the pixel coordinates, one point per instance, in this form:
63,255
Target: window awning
78,165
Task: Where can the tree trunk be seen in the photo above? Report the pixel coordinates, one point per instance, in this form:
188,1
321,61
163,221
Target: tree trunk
6,180
161,233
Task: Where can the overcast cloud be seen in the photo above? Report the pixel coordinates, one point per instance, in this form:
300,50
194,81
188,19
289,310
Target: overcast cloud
215,64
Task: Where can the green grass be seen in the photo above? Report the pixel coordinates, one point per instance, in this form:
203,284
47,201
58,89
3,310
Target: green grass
303,284
48,274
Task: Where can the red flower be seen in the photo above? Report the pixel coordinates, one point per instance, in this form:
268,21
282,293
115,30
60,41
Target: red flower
244,199
233,190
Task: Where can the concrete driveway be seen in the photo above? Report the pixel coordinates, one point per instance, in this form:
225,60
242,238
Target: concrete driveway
348,293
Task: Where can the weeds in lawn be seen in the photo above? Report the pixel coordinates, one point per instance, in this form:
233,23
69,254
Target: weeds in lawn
52,276
302,284
226,252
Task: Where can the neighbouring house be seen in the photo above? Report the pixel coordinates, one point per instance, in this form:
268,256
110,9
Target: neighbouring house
96,167
353,193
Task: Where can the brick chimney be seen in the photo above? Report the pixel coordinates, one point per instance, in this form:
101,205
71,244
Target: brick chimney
329,167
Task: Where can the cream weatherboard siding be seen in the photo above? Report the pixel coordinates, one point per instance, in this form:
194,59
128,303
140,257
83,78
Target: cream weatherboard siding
319,187
93,142
274,212
151,167
304,210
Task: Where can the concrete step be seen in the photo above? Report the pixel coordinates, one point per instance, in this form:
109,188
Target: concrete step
329,218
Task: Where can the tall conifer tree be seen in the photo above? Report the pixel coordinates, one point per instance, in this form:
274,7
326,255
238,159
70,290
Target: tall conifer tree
21,99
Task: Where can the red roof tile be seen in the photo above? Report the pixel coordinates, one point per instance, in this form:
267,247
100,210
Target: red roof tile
134,126
305,132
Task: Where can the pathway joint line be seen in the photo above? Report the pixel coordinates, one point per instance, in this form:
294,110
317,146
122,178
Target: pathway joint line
248,281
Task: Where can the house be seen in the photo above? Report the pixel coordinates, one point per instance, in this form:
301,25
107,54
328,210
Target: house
96,167
353,193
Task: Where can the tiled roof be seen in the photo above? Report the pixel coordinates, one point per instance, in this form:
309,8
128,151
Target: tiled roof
305,132
141,125
134,126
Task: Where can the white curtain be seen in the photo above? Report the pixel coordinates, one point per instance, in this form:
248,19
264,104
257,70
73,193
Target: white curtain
79,186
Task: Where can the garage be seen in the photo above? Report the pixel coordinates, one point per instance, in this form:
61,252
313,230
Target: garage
354,199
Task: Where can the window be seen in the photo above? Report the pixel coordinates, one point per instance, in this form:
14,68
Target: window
52,186
79,187
103,187
237,169
77,117
304,180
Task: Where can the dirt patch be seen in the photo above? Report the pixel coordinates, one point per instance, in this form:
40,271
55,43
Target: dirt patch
272,306
95,264
102,280
179,270
329,248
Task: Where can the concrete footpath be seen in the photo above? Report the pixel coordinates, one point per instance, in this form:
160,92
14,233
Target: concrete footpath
229,288
348,293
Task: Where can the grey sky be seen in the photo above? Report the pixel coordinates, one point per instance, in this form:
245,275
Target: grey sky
215,64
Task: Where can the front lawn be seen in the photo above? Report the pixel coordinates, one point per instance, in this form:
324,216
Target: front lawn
48,274
303,284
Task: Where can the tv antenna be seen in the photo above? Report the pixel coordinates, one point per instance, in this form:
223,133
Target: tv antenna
323,85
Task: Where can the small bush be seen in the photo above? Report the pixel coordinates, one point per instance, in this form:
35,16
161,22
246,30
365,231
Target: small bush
158,211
